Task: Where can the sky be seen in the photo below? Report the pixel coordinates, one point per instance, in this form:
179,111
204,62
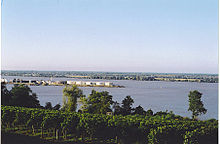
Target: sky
168,36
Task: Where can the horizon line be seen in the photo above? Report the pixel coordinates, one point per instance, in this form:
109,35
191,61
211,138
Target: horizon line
113,71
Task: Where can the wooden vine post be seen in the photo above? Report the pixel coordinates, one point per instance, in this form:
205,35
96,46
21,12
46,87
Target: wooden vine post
57,134
42,132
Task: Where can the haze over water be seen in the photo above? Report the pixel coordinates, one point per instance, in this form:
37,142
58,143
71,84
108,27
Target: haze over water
155,95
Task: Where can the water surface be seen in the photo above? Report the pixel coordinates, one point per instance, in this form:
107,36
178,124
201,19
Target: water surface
155,95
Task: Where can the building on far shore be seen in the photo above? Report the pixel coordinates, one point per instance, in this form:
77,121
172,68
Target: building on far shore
100,83
108,84
89,83
78,82
49,82
71,82
3,80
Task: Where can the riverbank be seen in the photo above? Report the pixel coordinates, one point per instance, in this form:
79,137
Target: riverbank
32,84
60,83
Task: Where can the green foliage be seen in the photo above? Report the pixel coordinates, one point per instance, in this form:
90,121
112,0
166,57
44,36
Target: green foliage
139,110
23,96
149,112
126,108
5,95
195,104
98,102
70,96
126,105
165,128
117,108
57,107
48,105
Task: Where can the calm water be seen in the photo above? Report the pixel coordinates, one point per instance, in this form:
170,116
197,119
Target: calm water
159,96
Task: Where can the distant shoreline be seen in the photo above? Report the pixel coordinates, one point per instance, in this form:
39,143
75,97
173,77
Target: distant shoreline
31,84
139,76
155,79
180,73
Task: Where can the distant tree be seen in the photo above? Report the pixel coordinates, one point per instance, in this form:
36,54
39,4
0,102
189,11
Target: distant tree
5,95
149,112
57,107
70,96
116,107
126,105
22,96
161,113
139,110
195,104
48,105
98,102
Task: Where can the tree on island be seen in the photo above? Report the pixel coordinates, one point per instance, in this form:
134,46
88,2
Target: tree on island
195,104
70,96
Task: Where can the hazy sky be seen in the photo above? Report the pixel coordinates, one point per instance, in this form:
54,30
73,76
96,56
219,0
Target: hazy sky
110,35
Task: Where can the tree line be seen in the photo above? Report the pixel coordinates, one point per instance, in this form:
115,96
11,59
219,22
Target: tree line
95,103
21,95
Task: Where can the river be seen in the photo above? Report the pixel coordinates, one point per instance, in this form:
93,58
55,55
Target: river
155,95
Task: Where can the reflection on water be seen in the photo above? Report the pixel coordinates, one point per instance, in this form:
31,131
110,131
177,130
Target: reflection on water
159,96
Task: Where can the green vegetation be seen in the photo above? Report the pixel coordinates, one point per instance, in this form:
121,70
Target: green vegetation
19,95
97,103
195,104
140,76
91,124
70,96
71,126
49,106
6,98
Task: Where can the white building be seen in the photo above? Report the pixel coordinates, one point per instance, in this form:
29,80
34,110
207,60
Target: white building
100,83
78,82
89,83
71,82
108,84
83,83
4,80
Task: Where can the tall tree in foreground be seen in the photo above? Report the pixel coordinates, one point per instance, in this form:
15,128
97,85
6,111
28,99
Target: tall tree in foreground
22,96
70,96
195,104
5,95
98,102
126,105
117,108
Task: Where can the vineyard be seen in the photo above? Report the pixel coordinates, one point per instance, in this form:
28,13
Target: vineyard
95,128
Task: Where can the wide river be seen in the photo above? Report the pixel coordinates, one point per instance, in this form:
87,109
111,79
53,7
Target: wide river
155,95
